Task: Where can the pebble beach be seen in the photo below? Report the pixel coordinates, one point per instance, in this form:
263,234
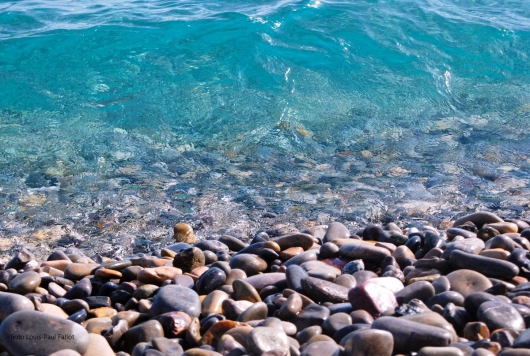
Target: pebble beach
273,177
457,289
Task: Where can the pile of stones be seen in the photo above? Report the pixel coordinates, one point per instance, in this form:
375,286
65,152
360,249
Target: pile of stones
323,291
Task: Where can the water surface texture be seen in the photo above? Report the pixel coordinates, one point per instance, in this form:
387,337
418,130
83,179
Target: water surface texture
119,118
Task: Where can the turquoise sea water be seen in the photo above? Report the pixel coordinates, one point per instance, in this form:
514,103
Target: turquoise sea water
119,118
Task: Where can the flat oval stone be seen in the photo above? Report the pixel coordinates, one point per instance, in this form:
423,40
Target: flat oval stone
295,239
11,303
322,269
210,280
421,290
465,282
35,333
410,336
490,267
454,231
232,242
144,332
251,264
261,281
176,298
433,319
370,342
317,348
76,271
478,218
500,315
336,230
263,339
364,251
309,255
504,227
24,283
323,291
212,245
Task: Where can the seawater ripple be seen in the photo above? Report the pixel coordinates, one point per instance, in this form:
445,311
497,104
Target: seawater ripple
150,112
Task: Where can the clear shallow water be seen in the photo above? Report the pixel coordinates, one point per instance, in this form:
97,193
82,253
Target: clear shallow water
121,117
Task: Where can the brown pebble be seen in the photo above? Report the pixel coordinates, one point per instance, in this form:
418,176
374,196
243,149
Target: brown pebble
290,253
214,333
103,312
245,291
105,273
465,282
184,233
77,271
213,303
474,331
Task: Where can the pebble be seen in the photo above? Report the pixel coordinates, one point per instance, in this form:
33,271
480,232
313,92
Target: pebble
176,298
245,291
24,283
35,333
369,342
323,291
81,290
260,281
11,303
465,282
250,264
421,290
76,271
478,219
372,297
336,230
297,239
144,332
189,259
184,233
500,315
411,336
265,339
364,251
211,280
490,267
313,314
